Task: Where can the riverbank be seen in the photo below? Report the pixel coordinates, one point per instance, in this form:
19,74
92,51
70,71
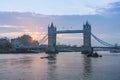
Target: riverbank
19,51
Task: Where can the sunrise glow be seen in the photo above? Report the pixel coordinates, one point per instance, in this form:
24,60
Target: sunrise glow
34,37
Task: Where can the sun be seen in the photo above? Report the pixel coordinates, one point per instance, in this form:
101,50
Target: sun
34,37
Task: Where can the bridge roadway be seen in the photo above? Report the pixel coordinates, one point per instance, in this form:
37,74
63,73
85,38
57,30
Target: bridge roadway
106,48
79,49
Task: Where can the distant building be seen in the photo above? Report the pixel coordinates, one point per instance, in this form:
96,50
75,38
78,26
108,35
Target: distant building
24,41
3,40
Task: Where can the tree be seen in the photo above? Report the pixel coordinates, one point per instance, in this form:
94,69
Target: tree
5,45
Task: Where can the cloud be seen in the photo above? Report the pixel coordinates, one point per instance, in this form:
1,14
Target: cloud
110,9
115,8
9,28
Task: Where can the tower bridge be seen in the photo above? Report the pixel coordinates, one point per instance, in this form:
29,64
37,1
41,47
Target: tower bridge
52,32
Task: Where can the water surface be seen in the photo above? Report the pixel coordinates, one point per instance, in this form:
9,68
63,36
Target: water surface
65,66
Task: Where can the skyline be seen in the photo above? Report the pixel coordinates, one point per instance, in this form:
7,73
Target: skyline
33,17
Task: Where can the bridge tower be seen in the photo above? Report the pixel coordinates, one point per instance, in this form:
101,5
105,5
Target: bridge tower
87,39
51,38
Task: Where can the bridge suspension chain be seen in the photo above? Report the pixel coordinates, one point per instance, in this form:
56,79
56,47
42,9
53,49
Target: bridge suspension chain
101,41
44,39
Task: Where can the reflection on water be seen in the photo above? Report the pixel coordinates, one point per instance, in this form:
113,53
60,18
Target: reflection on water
52,67
62,66
87,68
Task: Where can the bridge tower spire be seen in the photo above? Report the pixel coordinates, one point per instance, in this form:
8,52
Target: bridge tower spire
87,38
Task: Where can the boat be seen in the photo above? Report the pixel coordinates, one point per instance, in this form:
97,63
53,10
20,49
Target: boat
94,55
48,57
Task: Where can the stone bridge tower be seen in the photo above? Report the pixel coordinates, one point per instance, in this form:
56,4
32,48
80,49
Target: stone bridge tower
51,38
87,39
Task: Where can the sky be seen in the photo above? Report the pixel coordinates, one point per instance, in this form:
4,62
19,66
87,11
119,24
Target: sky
56,7
18,17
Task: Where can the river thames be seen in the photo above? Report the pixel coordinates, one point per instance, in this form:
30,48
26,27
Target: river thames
65,66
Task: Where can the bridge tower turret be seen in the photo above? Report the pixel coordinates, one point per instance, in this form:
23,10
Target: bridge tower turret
87,38
51,38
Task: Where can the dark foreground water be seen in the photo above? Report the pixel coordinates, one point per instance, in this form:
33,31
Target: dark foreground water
67,66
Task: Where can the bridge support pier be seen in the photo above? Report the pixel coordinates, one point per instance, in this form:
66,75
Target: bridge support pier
86,48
